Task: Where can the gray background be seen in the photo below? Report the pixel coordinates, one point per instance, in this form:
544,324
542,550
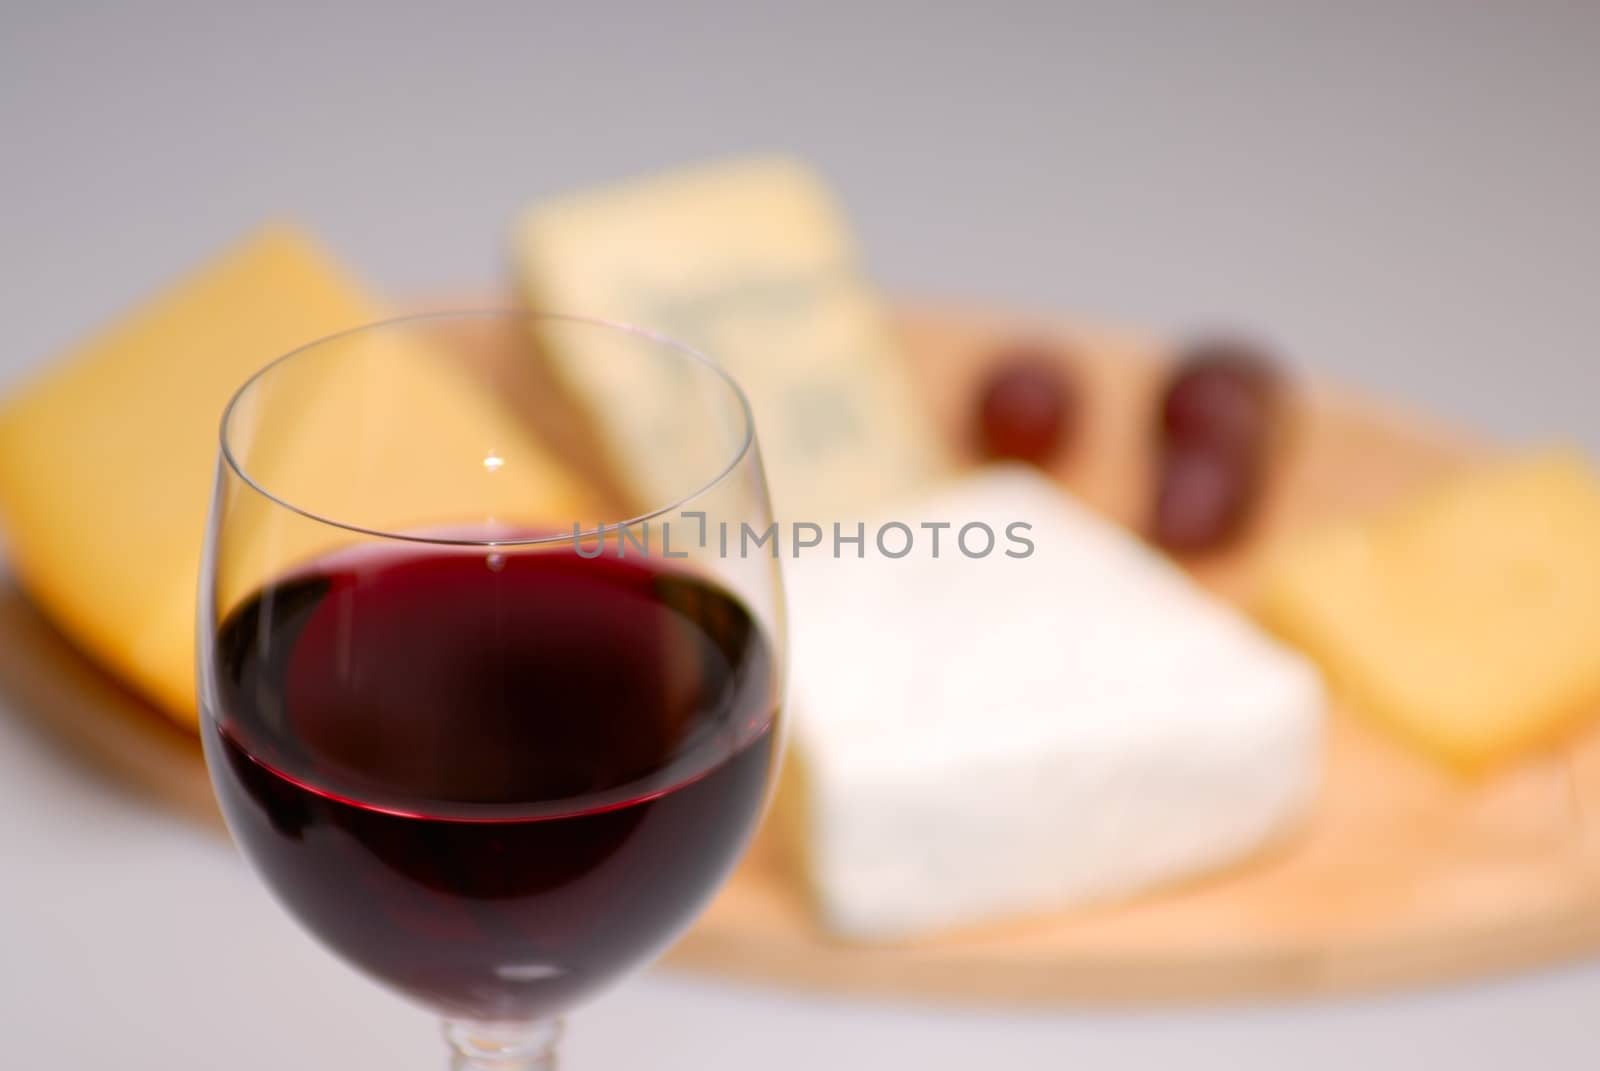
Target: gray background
1401,195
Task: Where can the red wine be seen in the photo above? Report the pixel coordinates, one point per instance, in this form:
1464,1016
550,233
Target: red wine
493,781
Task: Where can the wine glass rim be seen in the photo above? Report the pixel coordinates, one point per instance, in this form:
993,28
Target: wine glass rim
746,438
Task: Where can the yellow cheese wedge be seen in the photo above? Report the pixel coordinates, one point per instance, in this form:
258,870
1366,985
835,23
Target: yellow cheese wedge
751,262
107,459
1466,619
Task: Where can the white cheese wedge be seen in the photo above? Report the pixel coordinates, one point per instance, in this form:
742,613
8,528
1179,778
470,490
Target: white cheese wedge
751,262
976,738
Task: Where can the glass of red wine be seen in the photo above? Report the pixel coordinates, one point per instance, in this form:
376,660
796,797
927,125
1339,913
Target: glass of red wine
492,726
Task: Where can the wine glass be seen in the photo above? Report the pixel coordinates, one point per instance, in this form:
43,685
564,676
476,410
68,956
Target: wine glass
487,702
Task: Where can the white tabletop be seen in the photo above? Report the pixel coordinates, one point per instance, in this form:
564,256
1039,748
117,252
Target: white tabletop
1400,195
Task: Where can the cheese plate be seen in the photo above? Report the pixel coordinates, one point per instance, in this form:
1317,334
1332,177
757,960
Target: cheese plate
1403,875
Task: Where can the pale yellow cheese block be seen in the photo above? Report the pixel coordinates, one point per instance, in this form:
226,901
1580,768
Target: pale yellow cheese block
751,262
107,459
1468,618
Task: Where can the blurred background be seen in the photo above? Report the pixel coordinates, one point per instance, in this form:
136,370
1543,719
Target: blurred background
1401,196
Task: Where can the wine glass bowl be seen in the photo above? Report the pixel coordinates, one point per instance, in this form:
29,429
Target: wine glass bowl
486,715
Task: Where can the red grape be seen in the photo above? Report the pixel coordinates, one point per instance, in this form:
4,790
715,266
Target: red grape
1218,419
1222,396
1202,498
1028,407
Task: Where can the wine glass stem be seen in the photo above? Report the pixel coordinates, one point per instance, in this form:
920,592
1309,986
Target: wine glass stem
502,1046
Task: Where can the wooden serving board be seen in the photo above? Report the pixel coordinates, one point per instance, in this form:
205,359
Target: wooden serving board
1403,875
